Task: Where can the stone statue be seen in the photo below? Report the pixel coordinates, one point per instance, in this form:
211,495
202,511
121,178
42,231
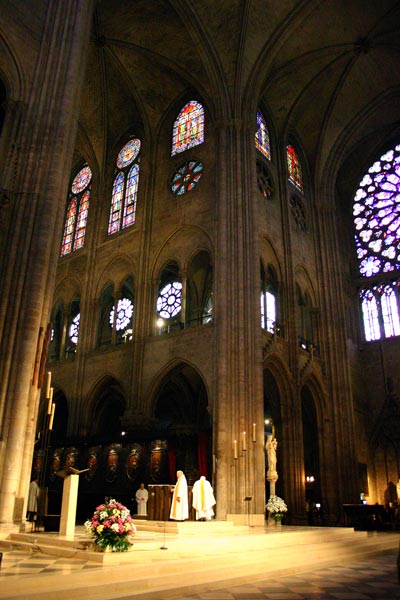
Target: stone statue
271,447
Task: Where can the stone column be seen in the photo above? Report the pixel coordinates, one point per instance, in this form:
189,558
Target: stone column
46,141
237,327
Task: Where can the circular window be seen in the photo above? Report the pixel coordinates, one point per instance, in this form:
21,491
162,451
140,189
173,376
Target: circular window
264,181
81,180
169,300
124,314
298,212
186,177
128,153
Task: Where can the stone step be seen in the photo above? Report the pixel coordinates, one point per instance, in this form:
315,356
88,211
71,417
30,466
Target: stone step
191,564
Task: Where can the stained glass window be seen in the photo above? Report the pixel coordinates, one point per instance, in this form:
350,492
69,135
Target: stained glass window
294,168
186,177
77,212
376,212
262,137
188,129
125,188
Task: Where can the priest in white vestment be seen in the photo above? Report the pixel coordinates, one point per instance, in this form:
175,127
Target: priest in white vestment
203,499
180,504
142,496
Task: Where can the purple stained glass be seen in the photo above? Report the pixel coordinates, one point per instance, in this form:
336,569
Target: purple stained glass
128,153
81,180
376,212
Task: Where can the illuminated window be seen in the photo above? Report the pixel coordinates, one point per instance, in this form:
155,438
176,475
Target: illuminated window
262,137
188,129
125,187
73,331
376,212
124,314
294,168
169,301
77,212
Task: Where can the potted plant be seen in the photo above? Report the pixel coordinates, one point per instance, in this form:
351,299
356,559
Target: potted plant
276,508
111,527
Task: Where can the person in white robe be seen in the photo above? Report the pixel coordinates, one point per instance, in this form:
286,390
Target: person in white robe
203,499
141,497
180,504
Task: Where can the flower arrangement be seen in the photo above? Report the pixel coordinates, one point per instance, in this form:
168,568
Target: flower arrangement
112,527
276,506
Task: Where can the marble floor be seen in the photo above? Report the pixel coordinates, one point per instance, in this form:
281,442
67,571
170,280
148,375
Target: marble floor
372,578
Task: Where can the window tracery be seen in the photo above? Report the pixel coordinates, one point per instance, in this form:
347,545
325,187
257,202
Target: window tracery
77,212
188,129
125,188
376,212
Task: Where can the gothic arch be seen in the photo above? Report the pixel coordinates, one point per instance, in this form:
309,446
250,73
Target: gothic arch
181,414
104,407
180,246
116,271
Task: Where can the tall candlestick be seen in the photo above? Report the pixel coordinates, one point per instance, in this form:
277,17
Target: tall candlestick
254,433
50,401
244,441
235,450
53,410
48,384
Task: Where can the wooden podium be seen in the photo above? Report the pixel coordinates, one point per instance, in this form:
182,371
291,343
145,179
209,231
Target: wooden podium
159,503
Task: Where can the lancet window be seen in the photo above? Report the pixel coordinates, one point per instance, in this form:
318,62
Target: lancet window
294,168
262,136
125,187
77,212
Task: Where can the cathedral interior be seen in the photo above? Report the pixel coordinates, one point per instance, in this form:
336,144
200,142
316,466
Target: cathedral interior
199,249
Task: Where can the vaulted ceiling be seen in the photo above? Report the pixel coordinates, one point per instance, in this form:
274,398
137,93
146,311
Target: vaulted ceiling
325,71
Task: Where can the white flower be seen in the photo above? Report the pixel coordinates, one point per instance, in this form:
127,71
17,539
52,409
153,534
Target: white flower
276,505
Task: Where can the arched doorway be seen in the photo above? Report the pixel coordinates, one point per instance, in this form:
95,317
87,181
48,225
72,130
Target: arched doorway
183,420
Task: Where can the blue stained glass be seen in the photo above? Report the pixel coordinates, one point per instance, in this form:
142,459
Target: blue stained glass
186,177
262,136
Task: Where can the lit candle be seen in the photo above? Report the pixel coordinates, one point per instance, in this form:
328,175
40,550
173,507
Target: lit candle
53,410
48,384
244,441
50,401
254,433
235,450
